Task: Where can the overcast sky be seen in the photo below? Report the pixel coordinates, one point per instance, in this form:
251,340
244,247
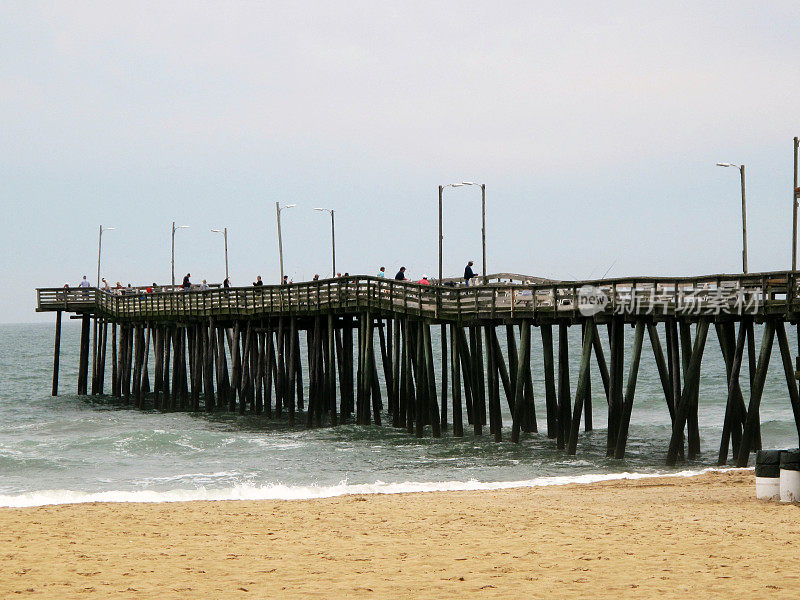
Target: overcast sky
595,126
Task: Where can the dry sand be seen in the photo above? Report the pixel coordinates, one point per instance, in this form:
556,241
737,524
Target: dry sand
702,537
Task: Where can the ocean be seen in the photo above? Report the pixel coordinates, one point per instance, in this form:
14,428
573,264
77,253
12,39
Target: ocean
73,448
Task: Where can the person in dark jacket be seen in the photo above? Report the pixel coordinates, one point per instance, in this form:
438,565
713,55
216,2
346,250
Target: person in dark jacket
258,281
468,274
186,283
401,274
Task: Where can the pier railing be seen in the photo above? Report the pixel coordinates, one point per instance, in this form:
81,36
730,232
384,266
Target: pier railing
761,293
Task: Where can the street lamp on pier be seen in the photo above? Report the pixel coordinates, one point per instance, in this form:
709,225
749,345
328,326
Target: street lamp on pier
278,209
224,232
100,249
483,222
174,229
333,239
744,214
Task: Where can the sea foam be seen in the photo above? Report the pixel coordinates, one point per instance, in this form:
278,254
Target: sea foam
286,492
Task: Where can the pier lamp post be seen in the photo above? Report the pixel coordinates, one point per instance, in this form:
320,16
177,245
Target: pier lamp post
224,232
99,251
95,383
744,214
333,239
796,192
483,222
174,229
278,209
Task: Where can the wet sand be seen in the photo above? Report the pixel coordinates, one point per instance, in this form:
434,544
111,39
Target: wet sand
705,536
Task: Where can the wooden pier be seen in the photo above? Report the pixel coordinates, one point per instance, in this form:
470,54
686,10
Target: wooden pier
239,350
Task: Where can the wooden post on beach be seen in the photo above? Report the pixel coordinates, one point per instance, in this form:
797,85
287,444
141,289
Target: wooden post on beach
661,365
332,369
734,408
630,389
751,359
616,332
529,424
580,391
467,377
127,366
549,380
691,377
495,422
455,365
522,360
433,407
369,374
564,401
408,378
788,370
443,406
749,435
502,371
56,353
693,445
83,363
102,362
114,365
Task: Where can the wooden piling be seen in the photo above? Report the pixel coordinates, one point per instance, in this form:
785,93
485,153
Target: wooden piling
551,399
630,388
83,363
56,353
581,389
520,361
564,401
691,377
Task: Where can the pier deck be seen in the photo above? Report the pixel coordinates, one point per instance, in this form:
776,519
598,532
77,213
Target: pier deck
238,349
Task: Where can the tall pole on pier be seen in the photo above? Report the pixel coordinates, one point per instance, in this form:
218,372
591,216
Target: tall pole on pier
483,222
333,239
97,285
278,209
224,232
483,228
174,229
100,250
441,188
744,213
796,192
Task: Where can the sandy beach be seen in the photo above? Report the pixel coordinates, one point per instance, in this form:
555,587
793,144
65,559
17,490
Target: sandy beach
670,537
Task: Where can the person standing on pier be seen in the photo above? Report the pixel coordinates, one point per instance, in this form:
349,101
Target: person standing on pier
401,274
186,283
382,272
258,281
226,283
84,283
424,280
285,280
468,274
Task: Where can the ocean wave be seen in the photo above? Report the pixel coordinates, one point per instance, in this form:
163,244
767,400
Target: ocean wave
307,492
